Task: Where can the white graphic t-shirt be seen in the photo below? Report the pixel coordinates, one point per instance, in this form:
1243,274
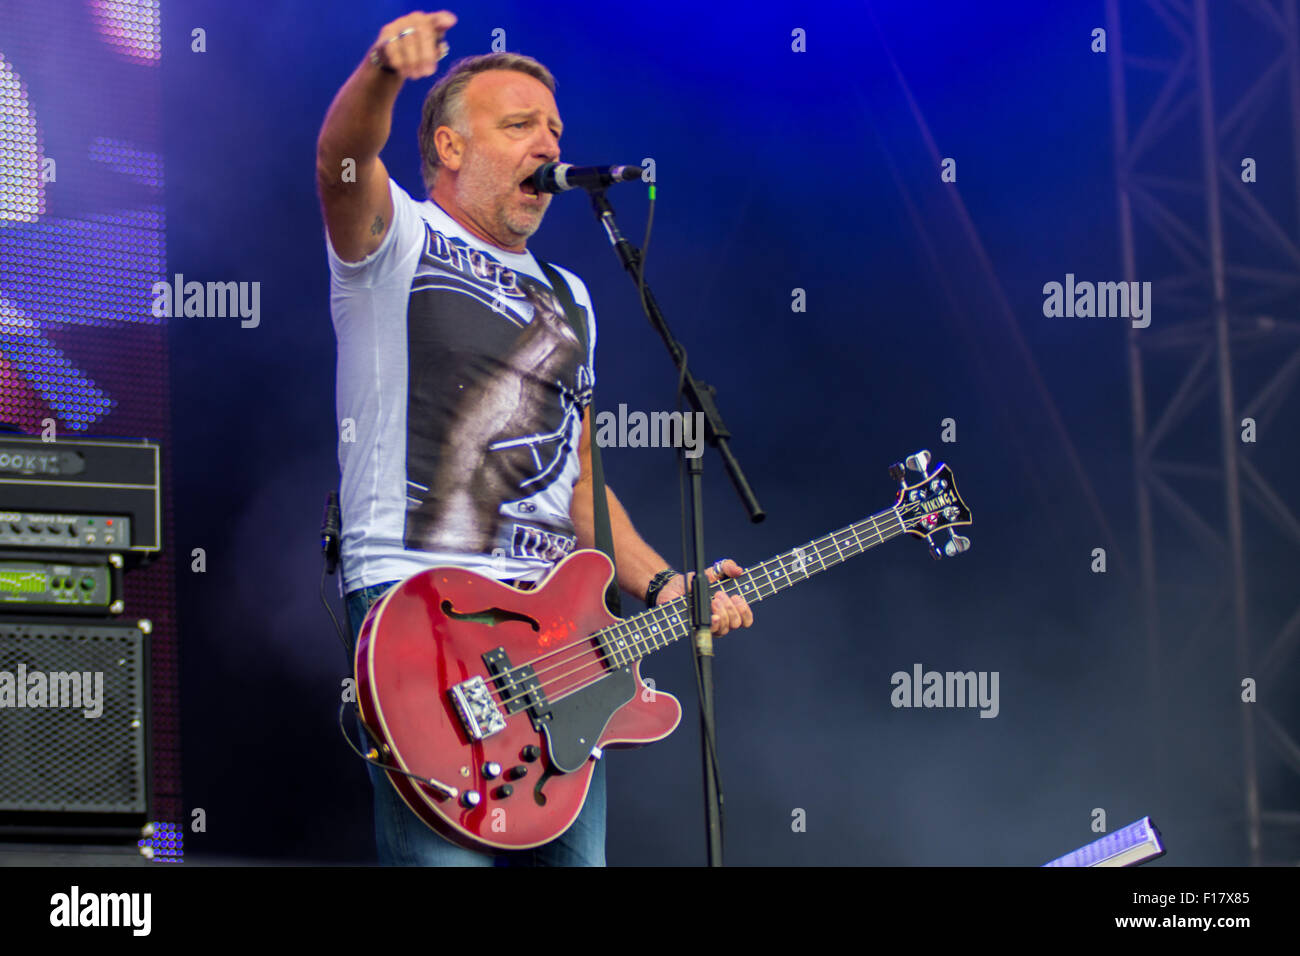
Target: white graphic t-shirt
461,388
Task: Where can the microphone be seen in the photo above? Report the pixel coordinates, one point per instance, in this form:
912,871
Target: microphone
330,532
558,177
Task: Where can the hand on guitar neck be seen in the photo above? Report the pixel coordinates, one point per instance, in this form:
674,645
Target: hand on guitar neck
729,611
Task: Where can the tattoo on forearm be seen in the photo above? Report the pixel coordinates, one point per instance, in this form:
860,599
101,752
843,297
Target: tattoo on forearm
377,226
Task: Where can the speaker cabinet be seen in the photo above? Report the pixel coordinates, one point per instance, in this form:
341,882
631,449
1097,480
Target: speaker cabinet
74,727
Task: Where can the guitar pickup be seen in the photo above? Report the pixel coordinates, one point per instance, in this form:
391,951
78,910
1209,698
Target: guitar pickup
518,686
478,711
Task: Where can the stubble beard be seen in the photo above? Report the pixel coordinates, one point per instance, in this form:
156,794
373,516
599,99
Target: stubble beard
491,196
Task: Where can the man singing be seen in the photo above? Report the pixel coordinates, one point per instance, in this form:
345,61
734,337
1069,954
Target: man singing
463,392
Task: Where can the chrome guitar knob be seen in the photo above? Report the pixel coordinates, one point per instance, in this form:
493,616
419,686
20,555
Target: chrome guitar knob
470,799
491,770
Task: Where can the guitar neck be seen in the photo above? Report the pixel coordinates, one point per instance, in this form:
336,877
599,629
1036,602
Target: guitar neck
644,633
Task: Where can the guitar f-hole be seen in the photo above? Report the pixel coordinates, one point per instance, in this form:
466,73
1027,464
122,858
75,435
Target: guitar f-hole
538,796
491,616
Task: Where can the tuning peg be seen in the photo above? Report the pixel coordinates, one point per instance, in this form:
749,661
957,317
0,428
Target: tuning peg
957,545
897,473
919,462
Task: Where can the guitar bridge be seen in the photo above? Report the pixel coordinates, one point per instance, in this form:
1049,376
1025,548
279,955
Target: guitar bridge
478,711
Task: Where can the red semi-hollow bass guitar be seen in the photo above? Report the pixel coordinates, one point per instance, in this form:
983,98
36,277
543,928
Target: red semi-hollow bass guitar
490,705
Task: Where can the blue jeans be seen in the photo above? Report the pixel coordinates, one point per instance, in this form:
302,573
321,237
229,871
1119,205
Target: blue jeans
403,839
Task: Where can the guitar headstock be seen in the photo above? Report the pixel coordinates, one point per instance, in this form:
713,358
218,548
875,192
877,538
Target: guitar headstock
931,504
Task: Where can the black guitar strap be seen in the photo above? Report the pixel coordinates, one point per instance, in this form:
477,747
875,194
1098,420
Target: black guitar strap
600,504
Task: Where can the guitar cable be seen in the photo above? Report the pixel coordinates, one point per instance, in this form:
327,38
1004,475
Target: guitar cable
330,533
381,749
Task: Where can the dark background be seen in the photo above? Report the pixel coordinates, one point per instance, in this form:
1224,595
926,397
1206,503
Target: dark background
776,170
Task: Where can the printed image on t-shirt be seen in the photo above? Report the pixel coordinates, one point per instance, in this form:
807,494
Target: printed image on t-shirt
497,381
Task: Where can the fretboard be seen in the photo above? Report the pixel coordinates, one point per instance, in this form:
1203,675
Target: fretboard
644,633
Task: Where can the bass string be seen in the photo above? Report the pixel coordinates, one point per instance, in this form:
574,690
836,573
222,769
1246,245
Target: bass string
670,611
815,546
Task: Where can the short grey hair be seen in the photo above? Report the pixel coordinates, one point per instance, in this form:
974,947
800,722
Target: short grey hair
445,103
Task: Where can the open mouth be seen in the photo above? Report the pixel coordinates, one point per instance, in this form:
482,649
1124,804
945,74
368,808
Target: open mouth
528,189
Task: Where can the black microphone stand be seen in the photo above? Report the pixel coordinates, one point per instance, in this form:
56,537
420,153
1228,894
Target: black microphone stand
700,396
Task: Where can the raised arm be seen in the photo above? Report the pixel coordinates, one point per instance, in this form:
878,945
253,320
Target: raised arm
350,176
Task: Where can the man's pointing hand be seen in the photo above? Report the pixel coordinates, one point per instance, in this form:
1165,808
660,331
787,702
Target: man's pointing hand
411,46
